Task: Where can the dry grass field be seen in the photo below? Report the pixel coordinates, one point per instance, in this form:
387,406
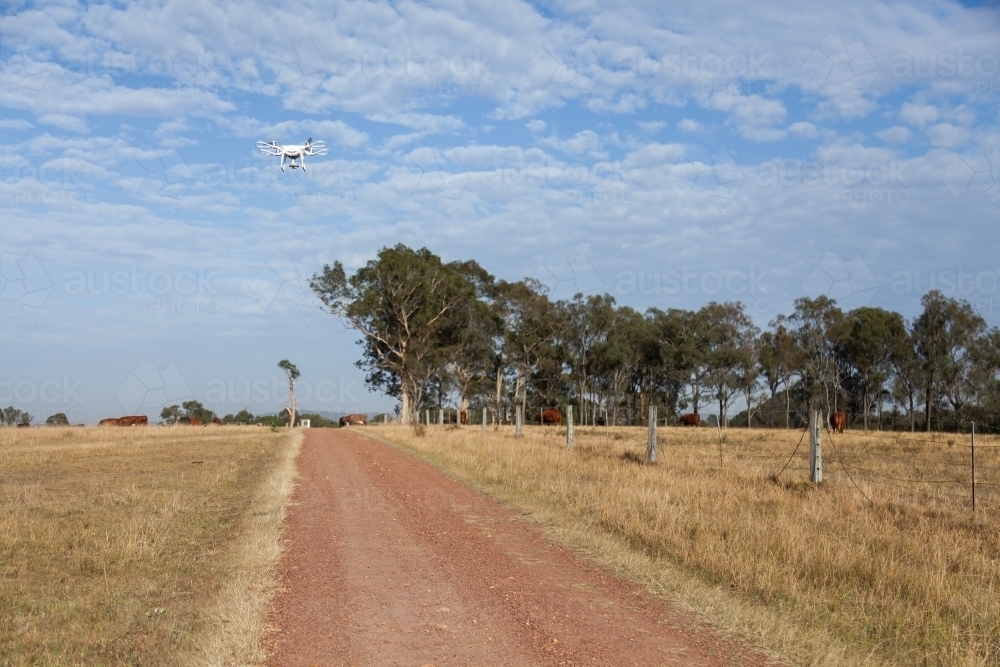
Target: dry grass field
883,564
139,546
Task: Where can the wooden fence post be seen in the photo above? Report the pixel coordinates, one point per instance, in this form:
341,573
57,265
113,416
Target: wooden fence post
484,417
440,416
518,419
815,448
651,436
569,425
973,466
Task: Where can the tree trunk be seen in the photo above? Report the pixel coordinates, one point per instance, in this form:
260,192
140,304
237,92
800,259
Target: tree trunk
405,408
864,406
927,408
788,408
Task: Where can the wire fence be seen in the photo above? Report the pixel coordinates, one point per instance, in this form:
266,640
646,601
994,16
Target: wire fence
887,467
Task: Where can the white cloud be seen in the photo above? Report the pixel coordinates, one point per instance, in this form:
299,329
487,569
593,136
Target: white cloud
689,125
331,131
64,122
753,115
423,122
15,124
580,143
803,129
652,127
919,114
947,135
535,125
895,135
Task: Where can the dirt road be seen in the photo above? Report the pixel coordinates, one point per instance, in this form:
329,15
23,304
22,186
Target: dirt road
391,562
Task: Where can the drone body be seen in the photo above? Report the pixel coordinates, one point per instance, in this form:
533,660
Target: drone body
296,154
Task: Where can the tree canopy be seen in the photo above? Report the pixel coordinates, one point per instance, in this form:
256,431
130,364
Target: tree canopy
436,335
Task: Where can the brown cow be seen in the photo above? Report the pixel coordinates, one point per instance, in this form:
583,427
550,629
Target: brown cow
196,422
551,417
838,421
137,420
693,419
216,421
351,420
110,422
465,417
24,425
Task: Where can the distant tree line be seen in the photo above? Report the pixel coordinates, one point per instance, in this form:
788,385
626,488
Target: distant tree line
450,335
11,416
194,409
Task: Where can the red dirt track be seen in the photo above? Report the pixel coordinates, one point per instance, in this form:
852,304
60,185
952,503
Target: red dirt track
392,562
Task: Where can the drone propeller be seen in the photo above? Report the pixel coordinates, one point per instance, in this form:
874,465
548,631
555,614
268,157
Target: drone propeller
316,148
270,149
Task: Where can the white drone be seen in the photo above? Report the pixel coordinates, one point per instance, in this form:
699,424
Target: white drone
295,154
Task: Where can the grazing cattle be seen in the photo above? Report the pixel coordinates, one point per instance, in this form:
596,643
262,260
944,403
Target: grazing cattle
196,422
216,421
24,425
838,421
693,419
184,420
110,422
551,417
137,420
465,416
352,420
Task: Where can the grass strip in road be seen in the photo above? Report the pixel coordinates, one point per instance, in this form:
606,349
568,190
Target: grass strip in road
139,546
864,570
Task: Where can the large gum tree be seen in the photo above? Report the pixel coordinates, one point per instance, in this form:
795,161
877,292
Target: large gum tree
400,302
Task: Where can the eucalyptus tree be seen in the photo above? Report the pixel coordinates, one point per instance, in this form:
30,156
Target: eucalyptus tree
682,361
944,333
399,303
864,341
727,332
587,323
812,322
291,377
619,357
985,376
469,333
778,359
529,326
907,378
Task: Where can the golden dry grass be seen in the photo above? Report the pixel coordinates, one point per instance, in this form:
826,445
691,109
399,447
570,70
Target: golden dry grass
138,546
866,569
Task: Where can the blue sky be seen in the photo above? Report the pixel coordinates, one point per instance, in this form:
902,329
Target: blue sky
148,255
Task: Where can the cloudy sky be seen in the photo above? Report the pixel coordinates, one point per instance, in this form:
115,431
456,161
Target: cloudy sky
149,255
